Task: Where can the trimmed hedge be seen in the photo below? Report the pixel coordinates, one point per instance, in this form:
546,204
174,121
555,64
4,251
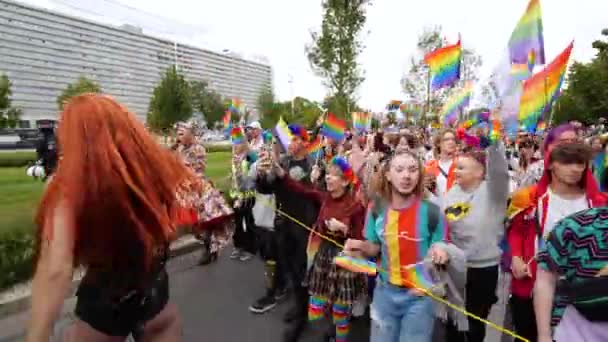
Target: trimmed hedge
16,257
23,158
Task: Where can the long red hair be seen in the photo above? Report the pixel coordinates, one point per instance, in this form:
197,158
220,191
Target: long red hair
117,182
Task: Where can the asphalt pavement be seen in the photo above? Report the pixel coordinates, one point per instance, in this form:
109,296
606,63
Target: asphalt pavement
213,301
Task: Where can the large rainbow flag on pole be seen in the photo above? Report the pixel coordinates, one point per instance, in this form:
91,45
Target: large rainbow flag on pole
528,36
540,90
445,65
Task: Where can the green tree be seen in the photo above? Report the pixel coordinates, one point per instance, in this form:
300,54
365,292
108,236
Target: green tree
208,102
585,97
300,111
81,86
415,82
9,115
268,108
171,101
391,118
333,52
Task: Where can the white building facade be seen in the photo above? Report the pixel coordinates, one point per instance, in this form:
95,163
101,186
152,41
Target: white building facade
42,52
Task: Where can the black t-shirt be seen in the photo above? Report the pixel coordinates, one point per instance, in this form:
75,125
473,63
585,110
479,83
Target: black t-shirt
293,204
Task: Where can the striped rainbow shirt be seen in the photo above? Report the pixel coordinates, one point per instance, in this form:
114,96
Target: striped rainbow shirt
405,238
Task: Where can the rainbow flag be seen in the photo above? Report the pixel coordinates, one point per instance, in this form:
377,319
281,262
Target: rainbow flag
356,265
411,109
528,36
393,105
445,65
237,136
600,164
418,276
531,60
333,128
495,131
540,90
314,243
283,133
314,146
455,103
226,119
362,121
520,72
541,127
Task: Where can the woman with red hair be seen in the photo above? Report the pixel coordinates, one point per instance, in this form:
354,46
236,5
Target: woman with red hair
110,209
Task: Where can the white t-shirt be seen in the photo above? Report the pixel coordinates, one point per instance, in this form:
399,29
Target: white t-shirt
559,208
442,181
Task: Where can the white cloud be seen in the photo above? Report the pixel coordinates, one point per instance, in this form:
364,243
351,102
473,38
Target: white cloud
279,30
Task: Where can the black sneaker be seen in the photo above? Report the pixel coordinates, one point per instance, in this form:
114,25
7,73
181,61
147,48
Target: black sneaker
264,304
280,295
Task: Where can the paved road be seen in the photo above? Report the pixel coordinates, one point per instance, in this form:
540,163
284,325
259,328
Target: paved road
213,301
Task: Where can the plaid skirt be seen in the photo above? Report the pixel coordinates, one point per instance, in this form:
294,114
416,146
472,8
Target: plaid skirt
326,279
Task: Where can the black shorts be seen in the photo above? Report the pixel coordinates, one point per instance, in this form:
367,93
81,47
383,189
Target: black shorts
124,317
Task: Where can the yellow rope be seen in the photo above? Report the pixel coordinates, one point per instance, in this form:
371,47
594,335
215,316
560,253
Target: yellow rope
411,284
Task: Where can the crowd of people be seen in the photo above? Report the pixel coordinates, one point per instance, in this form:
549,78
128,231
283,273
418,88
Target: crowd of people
450,208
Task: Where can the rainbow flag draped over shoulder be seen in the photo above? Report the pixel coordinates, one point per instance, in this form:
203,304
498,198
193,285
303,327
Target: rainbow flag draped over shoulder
528,36
540,90
445,65
455,103
333,128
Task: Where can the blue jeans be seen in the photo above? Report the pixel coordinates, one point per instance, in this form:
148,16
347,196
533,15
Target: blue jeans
398,316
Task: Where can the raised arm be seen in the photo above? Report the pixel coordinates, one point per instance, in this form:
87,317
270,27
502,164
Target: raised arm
498,174
306,190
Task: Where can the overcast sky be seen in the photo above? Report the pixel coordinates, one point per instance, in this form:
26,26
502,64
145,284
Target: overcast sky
279,30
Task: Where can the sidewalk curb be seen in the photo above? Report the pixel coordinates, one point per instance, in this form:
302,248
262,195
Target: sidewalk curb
22,304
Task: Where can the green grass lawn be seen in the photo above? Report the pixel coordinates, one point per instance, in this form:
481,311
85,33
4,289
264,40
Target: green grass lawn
19,194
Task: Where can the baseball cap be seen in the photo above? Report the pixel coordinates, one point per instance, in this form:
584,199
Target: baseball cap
255,125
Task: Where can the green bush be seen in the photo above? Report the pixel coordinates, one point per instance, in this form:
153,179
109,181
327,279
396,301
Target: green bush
17,158
16,257
21,158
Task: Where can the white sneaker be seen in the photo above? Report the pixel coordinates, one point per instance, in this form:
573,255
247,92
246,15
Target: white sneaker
245,256
235,254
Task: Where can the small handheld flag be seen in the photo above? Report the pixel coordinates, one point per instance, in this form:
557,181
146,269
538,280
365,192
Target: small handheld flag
237,136
419,276
333,128
356,265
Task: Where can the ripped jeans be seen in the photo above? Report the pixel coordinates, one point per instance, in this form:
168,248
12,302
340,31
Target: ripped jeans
398,316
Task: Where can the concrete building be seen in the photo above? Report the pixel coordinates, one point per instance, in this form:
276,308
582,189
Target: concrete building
43,51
